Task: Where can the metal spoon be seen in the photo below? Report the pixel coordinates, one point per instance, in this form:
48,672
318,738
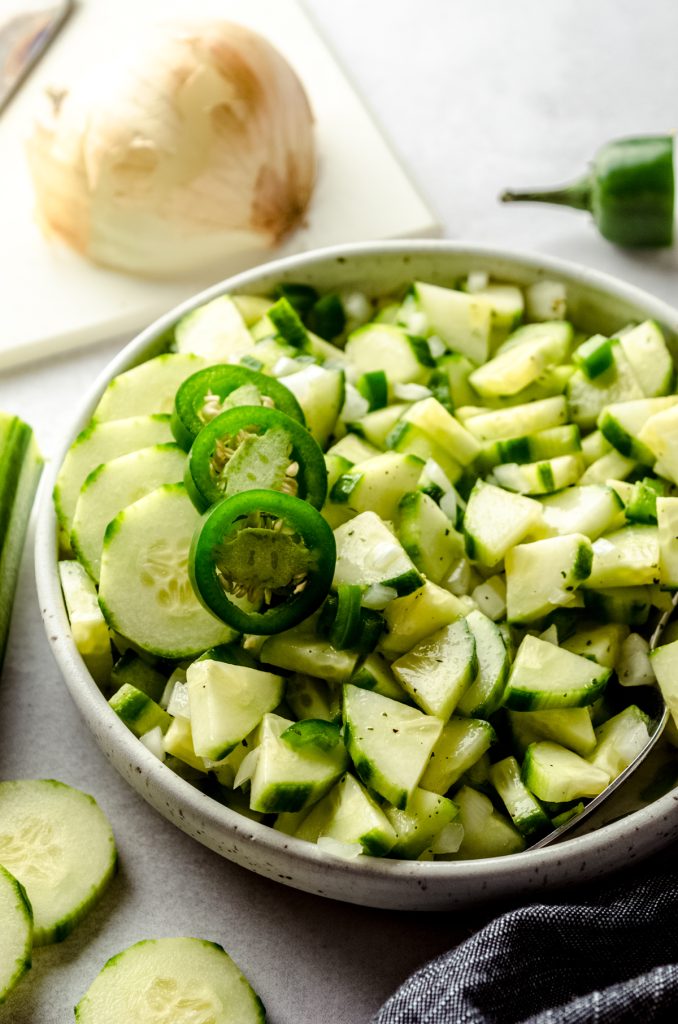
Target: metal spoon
659,716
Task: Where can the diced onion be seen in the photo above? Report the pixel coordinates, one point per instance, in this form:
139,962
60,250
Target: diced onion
179,704
449,839
345,851
377,596
153,740
247,768
410,392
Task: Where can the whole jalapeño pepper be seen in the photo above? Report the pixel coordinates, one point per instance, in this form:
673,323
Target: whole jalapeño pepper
629,190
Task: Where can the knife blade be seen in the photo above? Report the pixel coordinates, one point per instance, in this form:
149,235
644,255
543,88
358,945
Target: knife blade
24,37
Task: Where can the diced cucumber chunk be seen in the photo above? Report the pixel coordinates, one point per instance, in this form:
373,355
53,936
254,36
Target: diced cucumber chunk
428,536
438,669
622,423
484,695
543,575
610,466
544,676
352,448
526,812
411,618
320,392
171,979
558,775
660,434
297,650
487,832
368,554
538,478
112,487
130,668
179,743
138,711
464,322
495,521
664,661
594,356
291,777
215,331
507,306
88,626
375,427
590,509
620,740
227,702
571,727
148,388
389,743
490,597
378,484
431,417
145,592
598,643
462,743
518,420
649,358
626,557
587,398
619,604
523,357
417,825
594,446
375,673
349,814
633,666
546,300
16,938
57,842
98,443
530,448
667,535
312,698
404,357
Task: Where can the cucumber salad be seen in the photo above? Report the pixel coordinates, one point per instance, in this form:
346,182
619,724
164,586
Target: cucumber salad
381,572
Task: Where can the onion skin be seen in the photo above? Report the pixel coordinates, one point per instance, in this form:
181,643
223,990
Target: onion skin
196,146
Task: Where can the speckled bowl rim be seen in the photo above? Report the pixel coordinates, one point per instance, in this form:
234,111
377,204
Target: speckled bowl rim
366,881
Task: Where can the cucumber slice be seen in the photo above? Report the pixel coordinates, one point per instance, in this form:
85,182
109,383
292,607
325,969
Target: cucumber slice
138,711
462,321
531,447
348,814
526,812
16,938
462,743
545,676
517,420
368,553
543,575
145,592
537,478
148,388
620,740
487,832
388,742
649,358
57,842
215,331
667,535
438,670
411,618
428,536
320,392
417,825
626,557
599,643
589,509
290,774
112,487
484,695
570,727
558,775
622,422
523,357
378,484
98,443
88,626
174,979
227,702
495,521
405,358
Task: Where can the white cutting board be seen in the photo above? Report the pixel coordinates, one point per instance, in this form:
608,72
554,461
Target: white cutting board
53,300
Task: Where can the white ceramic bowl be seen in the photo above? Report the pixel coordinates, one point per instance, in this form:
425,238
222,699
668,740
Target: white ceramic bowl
596,303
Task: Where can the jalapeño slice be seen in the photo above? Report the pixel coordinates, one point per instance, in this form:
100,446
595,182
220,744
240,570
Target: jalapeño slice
211,391
269,547
252,447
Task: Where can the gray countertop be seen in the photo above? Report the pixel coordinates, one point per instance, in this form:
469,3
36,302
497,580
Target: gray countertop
473,97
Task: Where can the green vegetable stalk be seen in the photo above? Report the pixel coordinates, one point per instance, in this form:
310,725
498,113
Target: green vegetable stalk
629,190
